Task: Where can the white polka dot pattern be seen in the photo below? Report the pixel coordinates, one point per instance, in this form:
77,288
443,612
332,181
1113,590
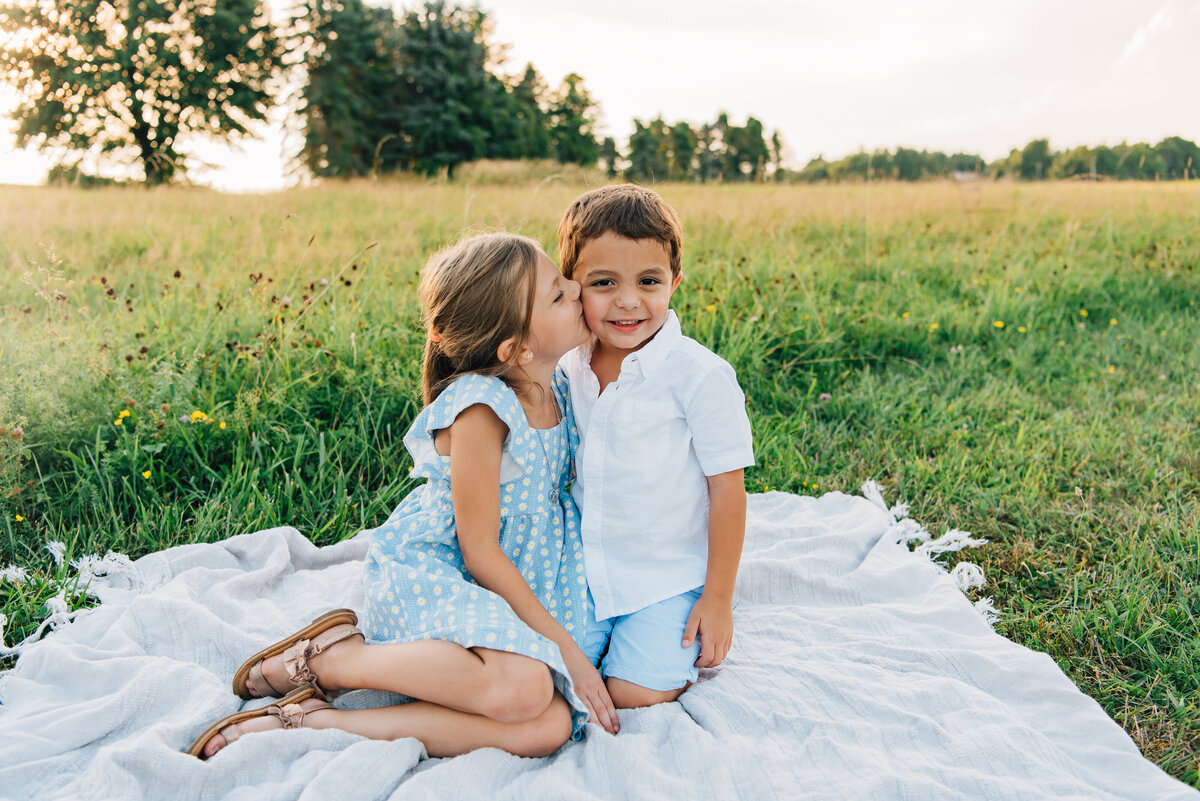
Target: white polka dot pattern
416,583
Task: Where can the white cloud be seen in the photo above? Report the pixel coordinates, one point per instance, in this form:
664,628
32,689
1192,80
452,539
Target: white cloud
1160,21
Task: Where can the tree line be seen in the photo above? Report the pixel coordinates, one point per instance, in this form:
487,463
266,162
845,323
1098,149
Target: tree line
382,92
1174,158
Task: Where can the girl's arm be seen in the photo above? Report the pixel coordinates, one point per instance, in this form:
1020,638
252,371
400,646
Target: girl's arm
476,444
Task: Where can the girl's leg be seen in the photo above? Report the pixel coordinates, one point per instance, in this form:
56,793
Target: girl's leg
502,686
444,732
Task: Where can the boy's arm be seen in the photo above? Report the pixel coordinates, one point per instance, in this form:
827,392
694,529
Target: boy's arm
712,615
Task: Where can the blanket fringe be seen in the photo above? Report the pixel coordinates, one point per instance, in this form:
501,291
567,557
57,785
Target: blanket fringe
112,568
967,576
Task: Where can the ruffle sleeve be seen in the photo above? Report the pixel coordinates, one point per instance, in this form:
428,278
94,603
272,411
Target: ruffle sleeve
445,409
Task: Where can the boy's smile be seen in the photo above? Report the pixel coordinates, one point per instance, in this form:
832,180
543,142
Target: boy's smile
627,286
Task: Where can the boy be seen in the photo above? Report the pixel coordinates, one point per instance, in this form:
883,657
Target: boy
659,471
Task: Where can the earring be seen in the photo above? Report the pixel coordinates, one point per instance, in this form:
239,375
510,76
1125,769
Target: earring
526,355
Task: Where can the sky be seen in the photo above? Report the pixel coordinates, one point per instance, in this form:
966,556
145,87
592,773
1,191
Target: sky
832,76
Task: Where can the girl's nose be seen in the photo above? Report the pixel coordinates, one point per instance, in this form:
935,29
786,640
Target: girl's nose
574,289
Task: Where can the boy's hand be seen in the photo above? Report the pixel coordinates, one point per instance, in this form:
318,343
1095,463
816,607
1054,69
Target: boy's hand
712,620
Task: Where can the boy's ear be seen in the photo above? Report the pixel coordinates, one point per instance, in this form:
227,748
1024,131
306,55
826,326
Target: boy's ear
675,283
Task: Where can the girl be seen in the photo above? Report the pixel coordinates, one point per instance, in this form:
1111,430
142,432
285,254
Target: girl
475,589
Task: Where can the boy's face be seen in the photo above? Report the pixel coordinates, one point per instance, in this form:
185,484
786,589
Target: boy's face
627,286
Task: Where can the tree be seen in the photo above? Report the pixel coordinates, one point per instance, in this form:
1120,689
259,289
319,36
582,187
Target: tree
682,143
648,152
354,85
573,115
1035,160
445,113
1180,157
609,155
131,77
531,95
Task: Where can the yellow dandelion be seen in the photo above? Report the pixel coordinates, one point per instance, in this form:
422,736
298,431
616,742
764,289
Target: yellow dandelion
145,474
123,413
119,421
1016,289
816,486
933,326
1111,369
221,425
20,519
1022,329
710,307
1083,312
904,316
997,323
1112,320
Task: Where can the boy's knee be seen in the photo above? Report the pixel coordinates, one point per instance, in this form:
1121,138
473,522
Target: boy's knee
519,690
627,695
546,733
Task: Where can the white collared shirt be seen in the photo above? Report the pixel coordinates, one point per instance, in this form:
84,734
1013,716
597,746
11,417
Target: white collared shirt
674,416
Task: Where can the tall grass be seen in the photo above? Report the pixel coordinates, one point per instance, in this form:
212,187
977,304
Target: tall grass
1020,361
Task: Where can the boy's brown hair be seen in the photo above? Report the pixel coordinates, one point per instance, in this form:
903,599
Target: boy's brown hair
627,210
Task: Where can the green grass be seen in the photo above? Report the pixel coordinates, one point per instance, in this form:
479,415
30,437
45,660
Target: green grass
1071,445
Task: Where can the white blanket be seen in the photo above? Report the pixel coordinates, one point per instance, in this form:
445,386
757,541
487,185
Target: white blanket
859,670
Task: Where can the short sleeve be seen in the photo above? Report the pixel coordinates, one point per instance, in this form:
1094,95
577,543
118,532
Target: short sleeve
463,393
717,419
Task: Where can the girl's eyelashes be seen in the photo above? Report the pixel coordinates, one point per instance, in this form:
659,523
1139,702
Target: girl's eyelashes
561,295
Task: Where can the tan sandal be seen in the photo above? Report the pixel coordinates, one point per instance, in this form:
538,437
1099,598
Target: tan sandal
288,711
297,649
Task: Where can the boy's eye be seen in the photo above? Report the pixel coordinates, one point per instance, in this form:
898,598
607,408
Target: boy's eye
650,281
602,282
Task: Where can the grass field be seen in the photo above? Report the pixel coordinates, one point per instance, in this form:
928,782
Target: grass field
1020,361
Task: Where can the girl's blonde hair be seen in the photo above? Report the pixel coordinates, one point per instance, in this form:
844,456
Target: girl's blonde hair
474,295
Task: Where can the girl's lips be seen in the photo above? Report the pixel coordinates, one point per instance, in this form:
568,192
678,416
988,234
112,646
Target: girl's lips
625,328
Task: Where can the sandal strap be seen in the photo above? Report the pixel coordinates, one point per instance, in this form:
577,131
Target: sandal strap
259,682
230,733
290,715
332,636
295,659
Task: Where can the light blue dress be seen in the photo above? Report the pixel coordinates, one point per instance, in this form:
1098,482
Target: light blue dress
417,586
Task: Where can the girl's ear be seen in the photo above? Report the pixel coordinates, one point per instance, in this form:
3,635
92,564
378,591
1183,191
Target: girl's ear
506,350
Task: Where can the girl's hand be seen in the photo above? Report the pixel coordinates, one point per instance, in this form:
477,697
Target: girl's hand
591,689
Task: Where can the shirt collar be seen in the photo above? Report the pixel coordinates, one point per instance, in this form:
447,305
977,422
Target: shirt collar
655,352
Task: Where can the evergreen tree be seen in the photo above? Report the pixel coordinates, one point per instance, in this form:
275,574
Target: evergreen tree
445,116
533,124
682,141
352,100
648,160
573,122
609,155
132,77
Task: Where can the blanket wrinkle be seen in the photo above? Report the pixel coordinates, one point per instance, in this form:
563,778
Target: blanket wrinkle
859,669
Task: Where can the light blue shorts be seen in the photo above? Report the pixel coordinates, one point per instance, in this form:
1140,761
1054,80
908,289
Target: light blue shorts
643,647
